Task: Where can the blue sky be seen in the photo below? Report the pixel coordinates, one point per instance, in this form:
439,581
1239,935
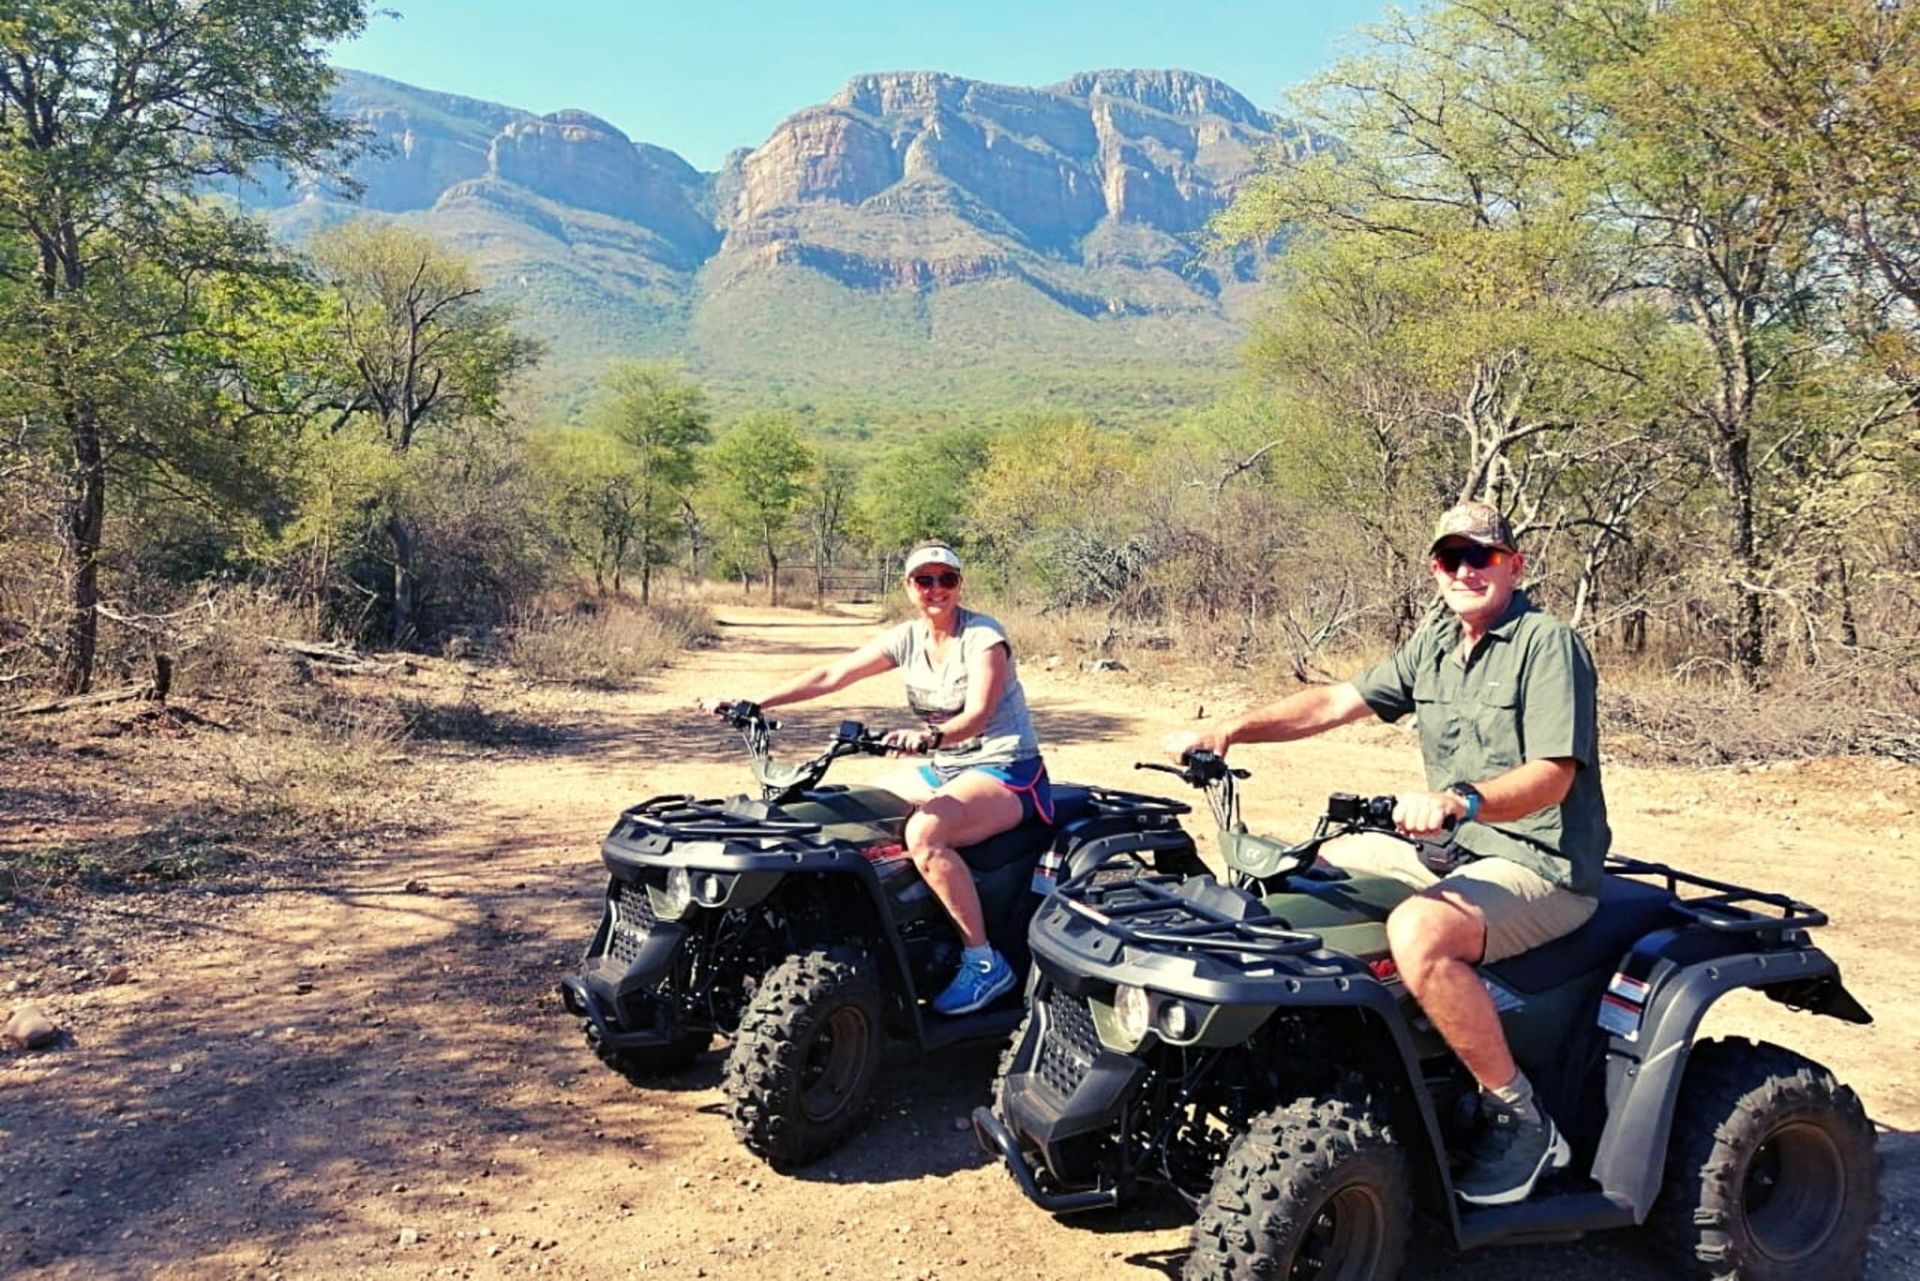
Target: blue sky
702,78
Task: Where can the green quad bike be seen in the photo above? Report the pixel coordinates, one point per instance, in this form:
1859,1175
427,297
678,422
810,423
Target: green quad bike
1251,1046
796,924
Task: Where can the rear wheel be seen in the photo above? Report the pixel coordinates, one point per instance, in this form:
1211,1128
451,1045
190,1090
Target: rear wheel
1314,1191
803,1062
1771,1172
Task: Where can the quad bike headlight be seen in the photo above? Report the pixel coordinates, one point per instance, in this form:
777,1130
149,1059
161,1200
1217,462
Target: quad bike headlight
1176,1021
679,894
1132,1011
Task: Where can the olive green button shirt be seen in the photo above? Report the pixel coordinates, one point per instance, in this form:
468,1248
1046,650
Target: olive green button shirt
1526,693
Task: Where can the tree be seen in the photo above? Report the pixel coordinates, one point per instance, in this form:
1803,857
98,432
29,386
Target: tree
920,489
1731,227
660,419
759,470
414,347
1045,506
1448,320
113,113
592,500
828,512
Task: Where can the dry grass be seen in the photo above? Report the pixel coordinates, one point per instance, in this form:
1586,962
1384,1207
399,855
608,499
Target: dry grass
608,643
1862,707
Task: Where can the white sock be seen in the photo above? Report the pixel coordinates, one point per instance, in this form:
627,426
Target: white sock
1517,1097
980,958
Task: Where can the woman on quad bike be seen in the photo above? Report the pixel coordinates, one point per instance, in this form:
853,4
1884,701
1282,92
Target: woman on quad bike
985,775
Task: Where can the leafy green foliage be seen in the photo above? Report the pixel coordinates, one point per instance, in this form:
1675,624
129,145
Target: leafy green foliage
919,490
757,476
112,113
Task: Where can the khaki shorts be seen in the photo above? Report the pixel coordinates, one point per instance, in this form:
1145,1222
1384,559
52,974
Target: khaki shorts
1521,908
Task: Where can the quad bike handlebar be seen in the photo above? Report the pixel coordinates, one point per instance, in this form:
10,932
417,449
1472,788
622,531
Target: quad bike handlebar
779,782
1346,812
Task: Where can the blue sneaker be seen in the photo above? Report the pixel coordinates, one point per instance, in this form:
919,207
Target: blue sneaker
974,986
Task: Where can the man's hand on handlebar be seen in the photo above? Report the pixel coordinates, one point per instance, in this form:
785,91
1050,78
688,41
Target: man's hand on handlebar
1180,744
1428,813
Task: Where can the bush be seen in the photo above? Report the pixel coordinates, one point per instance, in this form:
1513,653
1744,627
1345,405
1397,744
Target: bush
609,643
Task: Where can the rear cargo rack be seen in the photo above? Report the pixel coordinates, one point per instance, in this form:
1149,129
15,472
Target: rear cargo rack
1149,910
1110,799
1732,909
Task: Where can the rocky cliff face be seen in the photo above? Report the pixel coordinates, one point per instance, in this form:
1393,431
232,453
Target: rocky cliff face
578,160
1030,175
1085,193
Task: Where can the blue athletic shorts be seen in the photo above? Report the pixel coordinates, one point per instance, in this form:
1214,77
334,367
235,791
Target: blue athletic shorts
1026,779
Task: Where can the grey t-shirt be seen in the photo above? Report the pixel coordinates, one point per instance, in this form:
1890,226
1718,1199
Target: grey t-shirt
937,691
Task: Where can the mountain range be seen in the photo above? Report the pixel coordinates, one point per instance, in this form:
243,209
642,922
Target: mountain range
917,242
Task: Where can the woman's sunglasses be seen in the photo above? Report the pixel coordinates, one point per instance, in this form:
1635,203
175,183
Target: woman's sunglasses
1452,557
926,582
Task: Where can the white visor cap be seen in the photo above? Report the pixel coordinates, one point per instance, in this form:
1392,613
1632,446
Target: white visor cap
921,557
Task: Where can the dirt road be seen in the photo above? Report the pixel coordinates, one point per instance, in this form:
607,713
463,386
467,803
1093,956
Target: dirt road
361,1078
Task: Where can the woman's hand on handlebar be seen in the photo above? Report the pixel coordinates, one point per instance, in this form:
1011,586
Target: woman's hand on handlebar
1428,813
731,710
911,742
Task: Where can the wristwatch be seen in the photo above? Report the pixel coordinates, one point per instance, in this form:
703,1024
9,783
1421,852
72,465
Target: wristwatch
1471,795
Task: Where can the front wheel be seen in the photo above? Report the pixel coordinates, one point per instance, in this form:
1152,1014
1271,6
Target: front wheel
803,1062
1314,1191
1771,1172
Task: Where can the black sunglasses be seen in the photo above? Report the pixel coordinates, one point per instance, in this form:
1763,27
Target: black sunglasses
1453,556
947,579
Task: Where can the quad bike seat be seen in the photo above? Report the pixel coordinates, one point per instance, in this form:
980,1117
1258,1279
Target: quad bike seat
1026,841
1628,909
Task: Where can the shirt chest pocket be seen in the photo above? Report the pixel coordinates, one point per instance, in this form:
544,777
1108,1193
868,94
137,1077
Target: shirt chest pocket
1437,712
1494,720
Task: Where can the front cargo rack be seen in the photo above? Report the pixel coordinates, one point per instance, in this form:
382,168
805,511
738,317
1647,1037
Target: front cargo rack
1161,910
682,818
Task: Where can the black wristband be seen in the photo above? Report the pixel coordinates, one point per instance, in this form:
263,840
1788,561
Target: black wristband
939,737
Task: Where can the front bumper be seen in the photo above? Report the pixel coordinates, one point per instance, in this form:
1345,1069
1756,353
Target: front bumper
997,1140
624,990
582,1001
1063,1109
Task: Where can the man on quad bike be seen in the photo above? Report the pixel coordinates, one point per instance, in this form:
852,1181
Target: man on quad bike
985,776
1513,834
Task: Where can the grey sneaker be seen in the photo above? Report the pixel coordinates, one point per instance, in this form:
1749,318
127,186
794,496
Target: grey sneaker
1510,1157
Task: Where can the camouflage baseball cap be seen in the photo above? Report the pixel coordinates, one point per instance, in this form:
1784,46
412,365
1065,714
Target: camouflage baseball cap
1475,522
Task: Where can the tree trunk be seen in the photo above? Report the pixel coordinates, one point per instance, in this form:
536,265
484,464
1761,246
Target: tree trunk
403,584
1749,626
82,517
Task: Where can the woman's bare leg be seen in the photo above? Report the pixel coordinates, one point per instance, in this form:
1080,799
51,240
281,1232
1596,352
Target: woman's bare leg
966,811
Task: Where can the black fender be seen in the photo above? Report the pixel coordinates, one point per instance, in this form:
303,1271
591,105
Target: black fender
1646,1062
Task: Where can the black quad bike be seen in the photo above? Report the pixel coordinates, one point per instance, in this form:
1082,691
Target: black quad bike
1250,1045
796,924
